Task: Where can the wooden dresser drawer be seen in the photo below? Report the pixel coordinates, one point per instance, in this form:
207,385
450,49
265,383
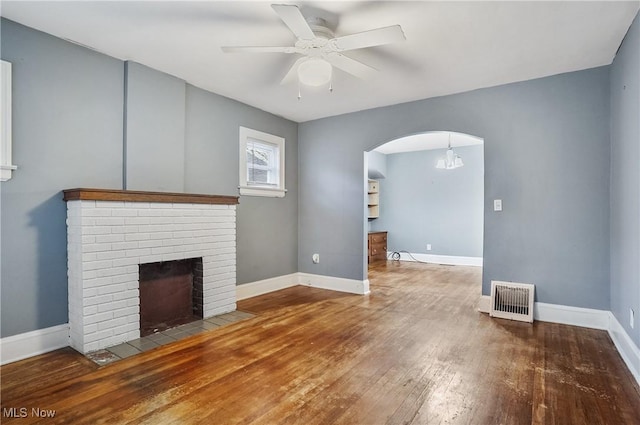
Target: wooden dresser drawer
377,246
378,237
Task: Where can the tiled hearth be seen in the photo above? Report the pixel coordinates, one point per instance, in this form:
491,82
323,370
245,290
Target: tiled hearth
110,233
150,342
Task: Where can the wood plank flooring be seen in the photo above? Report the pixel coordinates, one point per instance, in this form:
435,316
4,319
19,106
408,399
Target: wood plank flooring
414,351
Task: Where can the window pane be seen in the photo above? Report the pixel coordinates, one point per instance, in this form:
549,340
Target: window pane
262,162
258,176
256,155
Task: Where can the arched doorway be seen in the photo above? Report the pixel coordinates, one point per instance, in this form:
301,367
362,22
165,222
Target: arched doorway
425,199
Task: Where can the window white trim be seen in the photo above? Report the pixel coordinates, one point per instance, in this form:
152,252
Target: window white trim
276,190
5,124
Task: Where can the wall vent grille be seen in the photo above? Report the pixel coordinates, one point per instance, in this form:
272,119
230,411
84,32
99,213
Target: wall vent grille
512,301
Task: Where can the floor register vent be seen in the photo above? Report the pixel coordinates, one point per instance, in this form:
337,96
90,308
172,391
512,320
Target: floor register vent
512,301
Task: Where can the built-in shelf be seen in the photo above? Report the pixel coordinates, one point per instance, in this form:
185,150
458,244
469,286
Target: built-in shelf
373,198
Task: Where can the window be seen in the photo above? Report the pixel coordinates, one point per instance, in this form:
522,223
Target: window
5,122
261,164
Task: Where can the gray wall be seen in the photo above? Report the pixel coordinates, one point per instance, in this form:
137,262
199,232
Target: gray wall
546,156
625,182
420,204
68,132
267,236
377,165
154,126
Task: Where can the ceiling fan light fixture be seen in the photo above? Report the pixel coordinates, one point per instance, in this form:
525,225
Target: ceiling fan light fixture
315,72
320,49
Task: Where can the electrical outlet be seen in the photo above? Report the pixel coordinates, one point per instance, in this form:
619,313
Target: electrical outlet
315,258
497,204
428,247
632,318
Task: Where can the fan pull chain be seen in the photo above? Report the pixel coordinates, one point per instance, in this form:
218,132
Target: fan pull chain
299,92
331,85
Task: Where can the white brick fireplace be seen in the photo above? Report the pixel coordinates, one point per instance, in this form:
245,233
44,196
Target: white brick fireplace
110,233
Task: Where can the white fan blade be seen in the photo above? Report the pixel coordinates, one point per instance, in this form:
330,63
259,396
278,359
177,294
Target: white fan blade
349,65
258,49
370,38
292,17
291,74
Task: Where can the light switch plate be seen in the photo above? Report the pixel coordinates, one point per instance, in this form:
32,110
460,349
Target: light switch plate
497,204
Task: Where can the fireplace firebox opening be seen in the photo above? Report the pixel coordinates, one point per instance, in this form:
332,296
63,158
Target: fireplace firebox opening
171,294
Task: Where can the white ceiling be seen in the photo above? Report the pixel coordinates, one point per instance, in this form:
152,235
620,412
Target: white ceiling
451,47
428,141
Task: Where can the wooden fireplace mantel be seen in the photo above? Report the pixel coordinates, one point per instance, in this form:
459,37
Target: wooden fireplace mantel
141,196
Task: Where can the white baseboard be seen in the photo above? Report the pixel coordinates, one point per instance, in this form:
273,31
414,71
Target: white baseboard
627,349
28,344
260,287
575,316
586,318
352,286
564,314
450,260
484,304
253,289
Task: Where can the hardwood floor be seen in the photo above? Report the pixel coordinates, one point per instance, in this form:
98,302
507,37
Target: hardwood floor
414,351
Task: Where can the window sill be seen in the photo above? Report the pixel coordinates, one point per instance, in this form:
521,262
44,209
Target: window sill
262,191
5,172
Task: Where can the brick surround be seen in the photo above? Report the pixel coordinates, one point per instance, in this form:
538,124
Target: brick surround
107,240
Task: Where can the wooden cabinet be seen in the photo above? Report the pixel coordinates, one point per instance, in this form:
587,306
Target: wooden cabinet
377,246
373,194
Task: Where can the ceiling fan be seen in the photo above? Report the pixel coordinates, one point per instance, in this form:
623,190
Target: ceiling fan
320,50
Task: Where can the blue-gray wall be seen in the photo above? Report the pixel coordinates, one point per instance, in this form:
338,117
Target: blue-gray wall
377,165
625,182
154,130
267,234
546,156
420,204
68,131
